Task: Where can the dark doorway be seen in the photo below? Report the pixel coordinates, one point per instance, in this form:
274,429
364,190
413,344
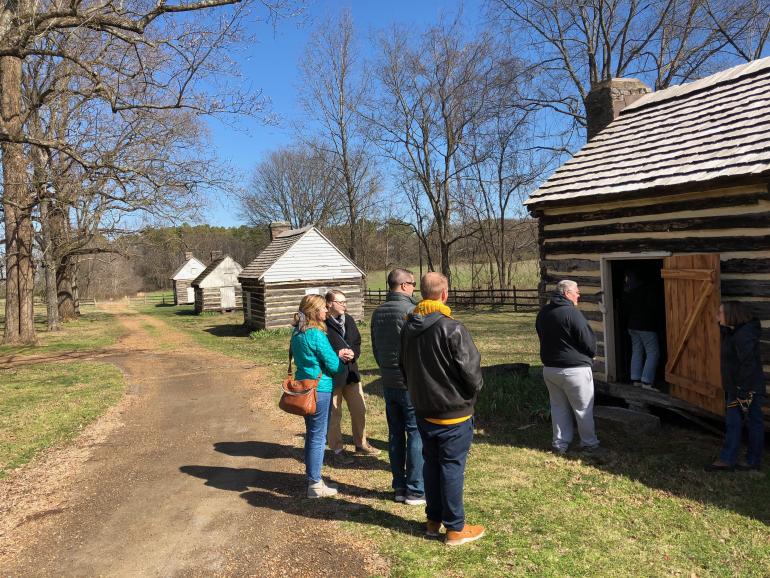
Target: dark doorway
638,300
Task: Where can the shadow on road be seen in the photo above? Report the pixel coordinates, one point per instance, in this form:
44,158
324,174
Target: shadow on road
284,492
272,451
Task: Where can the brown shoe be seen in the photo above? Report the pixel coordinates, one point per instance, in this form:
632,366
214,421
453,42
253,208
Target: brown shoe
432,529
467,534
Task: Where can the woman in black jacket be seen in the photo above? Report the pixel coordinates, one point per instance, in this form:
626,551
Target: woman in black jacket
744,384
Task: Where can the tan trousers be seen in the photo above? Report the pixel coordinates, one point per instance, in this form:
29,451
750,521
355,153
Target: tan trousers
353,394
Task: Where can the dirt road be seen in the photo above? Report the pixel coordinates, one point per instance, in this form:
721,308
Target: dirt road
191,475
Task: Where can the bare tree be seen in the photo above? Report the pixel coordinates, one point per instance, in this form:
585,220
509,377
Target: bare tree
293,185
662,42
432,91
334,87
135,43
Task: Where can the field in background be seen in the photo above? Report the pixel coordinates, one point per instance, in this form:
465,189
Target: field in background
647,509
527,275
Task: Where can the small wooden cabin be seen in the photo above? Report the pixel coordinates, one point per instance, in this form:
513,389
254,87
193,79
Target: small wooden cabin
181,280
297,262
676,186
217,287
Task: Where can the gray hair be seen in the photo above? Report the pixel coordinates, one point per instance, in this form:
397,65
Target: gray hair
398,276
565,285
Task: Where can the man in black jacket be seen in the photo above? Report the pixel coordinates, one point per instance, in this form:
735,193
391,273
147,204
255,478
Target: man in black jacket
343,334
442,370
567,349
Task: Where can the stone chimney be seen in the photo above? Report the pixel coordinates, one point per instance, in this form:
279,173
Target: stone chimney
216,255
278,227
608,98
187,255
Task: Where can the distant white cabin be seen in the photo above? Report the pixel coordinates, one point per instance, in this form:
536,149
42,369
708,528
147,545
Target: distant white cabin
296,263
181,280
217,287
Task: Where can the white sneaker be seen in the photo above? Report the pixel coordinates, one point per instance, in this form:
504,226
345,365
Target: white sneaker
414,499
320,490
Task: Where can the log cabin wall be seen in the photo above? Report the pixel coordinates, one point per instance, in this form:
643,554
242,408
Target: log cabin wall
210,299
180,291
733,221
273,305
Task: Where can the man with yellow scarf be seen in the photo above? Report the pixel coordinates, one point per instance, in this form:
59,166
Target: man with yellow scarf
442,370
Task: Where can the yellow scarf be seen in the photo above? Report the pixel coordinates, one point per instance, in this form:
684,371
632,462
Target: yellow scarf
428,306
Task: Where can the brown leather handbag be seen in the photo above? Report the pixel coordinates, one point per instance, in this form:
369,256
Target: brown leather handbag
299,395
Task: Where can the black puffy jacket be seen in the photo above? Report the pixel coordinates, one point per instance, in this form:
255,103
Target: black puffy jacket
352,340
741,360
566,339
441,366
387,321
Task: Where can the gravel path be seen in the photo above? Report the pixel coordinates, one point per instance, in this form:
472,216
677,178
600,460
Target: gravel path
193,474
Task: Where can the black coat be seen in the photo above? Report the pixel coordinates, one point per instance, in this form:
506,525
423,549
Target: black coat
441,366
352,340
741,361
566,339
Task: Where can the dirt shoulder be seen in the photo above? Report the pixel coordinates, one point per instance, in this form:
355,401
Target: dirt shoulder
193,473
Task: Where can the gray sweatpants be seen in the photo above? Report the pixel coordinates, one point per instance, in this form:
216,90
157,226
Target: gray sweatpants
571,390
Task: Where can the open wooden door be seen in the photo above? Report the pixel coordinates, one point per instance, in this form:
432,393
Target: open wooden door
691,284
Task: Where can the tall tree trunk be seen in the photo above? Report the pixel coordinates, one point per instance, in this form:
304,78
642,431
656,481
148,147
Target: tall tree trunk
65,274
17,206
49,264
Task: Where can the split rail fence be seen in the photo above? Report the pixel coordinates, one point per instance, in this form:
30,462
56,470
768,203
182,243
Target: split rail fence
515,299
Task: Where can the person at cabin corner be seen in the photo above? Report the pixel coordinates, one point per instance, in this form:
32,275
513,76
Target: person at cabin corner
744,384
567,349
442,371
343,334
404,442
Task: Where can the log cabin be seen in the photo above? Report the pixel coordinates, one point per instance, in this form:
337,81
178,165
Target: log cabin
181,280
297,262
217,287
673,185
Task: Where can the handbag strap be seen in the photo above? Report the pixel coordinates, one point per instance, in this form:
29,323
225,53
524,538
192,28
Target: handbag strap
288,371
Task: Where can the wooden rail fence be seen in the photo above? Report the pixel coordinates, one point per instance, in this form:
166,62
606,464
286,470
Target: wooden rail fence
514,298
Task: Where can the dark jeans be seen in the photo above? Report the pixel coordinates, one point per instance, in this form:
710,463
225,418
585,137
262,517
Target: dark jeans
404,442
445,449
734,428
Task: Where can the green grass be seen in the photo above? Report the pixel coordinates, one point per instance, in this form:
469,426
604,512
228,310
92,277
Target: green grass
649,510
48,404
94,329
527,275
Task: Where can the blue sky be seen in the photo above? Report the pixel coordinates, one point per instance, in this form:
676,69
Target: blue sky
271,65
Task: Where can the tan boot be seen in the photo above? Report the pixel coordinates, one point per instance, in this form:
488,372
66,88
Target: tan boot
467,534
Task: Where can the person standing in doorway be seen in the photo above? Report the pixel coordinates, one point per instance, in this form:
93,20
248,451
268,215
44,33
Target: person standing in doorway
641,303
442,370
343,334
404,442
567,349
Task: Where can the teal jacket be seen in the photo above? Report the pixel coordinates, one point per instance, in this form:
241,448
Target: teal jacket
313,354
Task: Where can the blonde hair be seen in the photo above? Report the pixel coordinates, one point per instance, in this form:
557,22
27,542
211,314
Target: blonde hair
432,284
309,313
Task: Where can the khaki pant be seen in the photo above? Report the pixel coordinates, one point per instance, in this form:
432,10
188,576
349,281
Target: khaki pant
353,394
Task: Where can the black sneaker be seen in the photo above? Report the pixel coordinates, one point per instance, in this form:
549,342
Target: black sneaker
400,495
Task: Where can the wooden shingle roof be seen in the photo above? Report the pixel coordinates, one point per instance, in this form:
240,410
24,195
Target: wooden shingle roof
210,268
273,252
710,130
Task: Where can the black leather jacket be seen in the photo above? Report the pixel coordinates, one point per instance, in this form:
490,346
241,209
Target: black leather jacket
441,366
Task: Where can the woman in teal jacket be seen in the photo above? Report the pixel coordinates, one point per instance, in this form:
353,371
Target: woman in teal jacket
313,355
